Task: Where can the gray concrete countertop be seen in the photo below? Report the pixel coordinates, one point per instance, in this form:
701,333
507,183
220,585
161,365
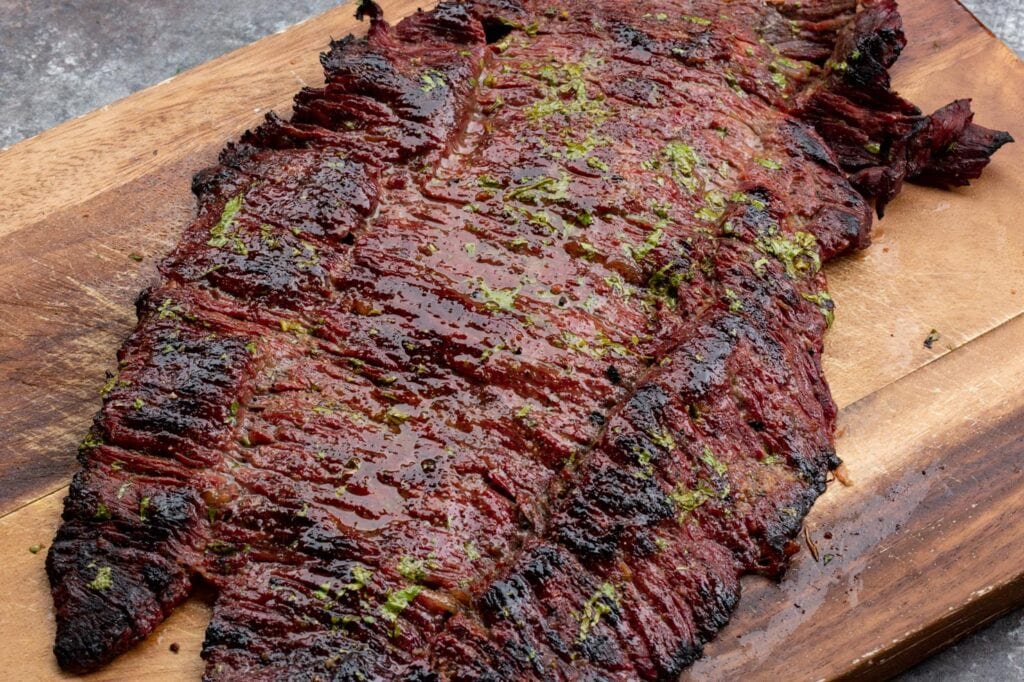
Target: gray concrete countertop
63,58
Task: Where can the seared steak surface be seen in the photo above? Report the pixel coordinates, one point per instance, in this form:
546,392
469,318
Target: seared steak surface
502,358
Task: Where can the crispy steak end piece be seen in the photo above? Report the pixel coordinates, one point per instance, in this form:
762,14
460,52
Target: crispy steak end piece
879,138
501,358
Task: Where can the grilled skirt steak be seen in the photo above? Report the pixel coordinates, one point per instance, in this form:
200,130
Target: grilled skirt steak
502,358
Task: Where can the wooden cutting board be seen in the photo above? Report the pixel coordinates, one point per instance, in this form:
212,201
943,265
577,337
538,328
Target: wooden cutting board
921,548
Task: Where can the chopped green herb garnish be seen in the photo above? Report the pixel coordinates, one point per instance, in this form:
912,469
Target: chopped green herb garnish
735,303
601,603
432,79
395,416
664,285
700,21
663,439
761,266
397,602
708,457
687,500
544,187
592,303
489,182
579,149
472,553
713,209
529,29
649,244
221,233
577,343
825,305
293,326
588,249
744,198
325,410
566,94
361,577
643,459
799,253
233,412
89,442
413,570
734,83
103,580
323,592
619,285
781,62
167,310
683,160
497,299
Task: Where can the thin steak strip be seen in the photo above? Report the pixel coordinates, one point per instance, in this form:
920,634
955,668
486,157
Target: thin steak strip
501,359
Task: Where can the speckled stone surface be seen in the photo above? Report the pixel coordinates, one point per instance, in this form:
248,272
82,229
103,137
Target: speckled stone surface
62,58
1006,19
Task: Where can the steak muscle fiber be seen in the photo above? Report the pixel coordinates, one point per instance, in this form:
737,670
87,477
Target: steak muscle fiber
502,358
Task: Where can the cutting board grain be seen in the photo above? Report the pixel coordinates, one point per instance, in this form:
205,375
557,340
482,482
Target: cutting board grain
923,545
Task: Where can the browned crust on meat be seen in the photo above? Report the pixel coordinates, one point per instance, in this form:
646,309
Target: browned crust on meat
501,358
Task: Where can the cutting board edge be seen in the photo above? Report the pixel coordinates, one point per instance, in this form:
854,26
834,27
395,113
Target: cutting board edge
934,638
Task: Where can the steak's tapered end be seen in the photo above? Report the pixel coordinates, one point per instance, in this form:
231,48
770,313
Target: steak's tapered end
107,597
952,150
880,139
118,566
